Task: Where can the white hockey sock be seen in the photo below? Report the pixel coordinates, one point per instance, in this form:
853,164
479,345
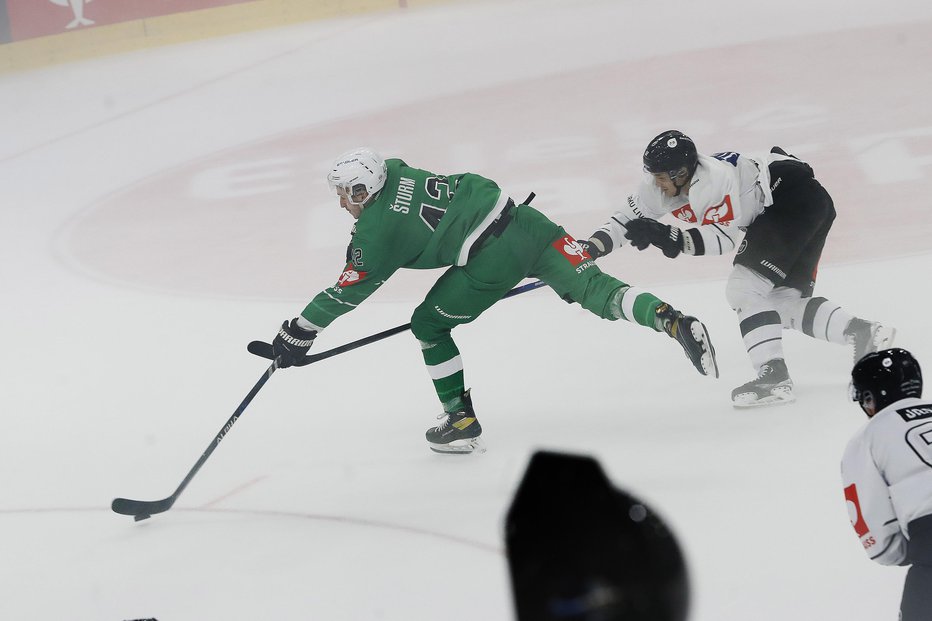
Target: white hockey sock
763,336
824,320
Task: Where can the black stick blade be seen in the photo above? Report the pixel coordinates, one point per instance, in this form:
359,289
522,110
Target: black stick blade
261,349
141,509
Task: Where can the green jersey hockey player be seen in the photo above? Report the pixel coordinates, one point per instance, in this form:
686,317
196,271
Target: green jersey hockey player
415,219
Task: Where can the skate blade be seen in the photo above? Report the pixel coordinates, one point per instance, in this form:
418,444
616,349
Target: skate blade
778,396
708,362
459,447
883,338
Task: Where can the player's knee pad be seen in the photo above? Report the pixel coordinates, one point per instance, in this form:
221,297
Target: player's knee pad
790,304
423,329
429,325
746,289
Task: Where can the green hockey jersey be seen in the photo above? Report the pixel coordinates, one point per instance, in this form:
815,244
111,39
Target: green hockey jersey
419,220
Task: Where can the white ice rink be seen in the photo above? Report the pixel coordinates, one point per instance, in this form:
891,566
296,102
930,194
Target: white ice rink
160,209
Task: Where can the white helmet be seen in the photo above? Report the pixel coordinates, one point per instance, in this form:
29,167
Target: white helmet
356,170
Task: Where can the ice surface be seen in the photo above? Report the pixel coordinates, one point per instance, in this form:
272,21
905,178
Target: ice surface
161,209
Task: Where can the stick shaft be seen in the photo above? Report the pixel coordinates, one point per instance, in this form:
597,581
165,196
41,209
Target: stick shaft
227,426
396,330
126,506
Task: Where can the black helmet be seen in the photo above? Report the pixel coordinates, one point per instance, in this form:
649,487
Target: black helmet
669,153
886,376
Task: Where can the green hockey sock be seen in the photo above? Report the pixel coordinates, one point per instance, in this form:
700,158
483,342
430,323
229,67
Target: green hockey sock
445,367
633,304
453,405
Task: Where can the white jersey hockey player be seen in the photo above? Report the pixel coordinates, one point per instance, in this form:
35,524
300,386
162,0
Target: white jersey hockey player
887,473
785,216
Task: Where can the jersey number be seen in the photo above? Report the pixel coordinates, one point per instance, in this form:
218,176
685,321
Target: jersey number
436,188
919,439
431,215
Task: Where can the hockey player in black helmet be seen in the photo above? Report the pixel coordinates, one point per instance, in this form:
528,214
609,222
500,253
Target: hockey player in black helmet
887,472
880,378
673,154
786,215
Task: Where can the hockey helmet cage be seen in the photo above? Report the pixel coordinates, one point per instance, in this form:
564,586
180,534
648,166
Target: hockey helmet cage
670,153
887,376
356,171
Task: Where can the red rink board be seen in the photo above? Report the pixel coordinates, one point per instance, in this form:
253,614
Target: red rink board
38,18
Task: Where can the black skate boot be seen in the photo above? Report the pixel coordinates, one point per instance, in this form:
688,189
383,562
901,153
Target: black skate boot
458,432
773,386
868,337
692,335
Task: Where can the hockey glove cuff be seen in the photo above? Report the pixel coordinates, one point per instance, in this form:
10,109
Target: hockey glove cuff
292,343
590,248
692,242
599,244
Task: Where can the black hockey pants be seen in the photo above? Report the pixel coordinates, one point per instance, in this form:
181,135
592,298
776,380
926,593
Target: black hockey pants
916,604
784,243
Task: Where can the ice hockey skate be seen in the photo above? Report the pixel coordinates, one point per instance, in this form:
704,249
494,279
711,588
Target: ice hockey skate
458,432
692,335
773,386
868,337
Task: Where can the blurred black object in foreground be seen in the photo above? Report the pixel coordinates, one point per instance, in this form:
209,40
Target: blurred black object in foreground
581,550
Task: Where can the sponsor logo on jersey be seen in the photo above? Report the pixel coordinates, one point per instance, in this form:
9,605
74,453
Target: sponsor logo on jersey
917,412
720,214
350,276
854,511
685,213
743,246
572,250
633,204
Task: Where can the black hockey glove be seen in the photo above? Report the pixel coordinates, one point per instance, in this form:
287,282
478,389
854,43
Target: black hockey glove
292,343
644,232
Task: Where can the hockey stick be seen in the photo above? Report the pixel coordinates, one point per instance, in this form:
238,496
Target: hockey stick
143,509
264,350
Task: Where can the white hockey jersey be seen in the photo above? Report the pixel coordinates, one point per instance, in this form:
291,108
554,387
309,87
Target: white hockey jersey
726,193
887,477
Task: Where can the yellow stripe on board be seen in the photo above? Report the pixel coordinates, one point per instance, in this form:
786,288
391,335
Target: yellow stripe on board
181,27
